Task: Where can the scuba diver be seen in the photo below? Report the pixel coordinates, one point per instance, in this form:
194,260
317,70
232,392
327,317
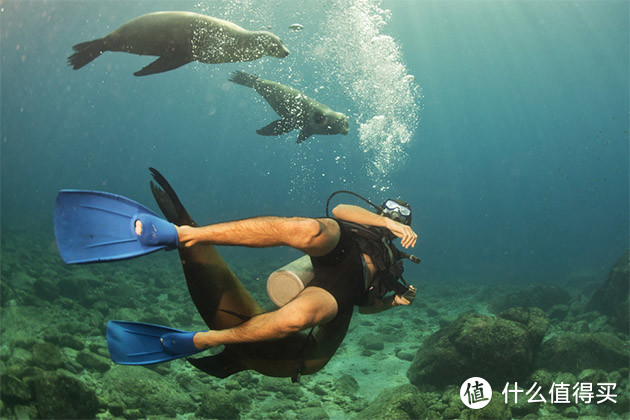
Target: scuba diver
353,260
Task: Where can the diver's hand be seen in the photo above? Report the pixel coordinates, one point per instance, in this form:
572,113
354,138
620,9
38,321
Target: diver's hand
407,236
406,299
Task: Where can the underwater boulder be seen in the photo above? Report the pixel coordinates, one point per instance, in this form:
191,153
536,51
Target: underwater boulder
612,297
543,296
402,402
14,389
92,361
573,353
372,341
53,335
145,392
45,289
496,409
534,320
61,396
223,404
47,356
495,348
73,287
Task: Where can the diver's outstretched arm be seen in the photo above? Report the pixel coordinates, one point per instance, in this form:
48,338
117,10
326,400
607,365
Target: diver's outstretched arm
362,216
315,237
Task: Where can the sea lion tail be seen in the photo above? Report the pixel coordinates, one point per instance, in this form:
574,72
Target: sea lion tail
86,52
168,201
220,365
243,78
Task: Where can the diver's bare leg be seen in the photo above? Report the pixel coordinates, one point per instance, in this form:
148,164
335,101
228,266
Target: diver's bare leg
315,237
313,306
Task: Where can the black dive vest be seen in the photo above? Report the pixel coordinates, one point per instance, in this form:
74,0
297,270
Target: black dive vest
374,242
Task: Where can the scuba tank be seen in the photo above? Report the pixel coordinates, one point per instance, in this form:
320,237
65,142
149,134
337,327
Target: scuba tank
284,284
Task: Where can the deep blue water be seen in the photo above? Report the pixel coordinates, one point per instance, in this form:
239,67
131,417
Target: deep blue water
516,169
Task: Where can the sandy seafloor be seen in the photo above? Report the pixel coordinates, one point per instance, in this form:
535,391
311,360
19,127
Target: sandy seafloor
152,289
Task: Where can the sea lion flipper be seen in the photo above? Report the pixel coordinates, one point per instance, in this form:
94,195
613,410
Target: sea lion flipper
303,135
162,64
243,78
86,52
281,126
219,365
220,298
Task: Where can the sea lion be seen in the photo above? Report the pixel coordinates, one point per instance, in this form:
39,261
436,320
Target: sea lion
223,302
296,109
179,38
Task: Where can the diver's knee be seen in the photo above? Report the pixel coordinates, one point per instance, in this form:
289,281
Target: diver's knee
306,231
296,321
318,236
305,313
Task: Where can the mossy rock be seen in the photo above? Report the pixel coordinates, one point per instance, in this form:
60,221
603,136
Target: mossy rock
543,296
346,385
372,341
91,361
575,352
45,289
498,349
403,402
312,413
14,389
47,356
138,388
612,298
495,410
59,395
222,404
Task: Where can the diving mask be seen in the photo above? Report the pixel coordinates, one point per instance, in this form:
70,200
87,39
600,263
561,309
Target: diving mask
397,210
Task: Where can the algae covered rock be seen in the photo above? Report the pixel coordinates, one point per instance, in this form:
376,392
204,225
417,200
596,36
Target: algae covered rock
59,395
402,402
47,356
14,389
495,410
372,341
312,413
92,361
575,352
147,391
61,340
73,287
221,404
612,297
346,385
45,289
494,348
543,296
533,319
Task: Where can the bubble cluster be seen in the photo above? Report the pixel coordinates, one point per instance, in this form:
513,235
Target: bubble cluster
371,70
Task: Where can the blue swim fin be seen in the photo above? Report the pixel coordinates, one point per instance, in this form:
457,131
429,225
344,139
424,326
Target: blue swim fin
93,226
138,343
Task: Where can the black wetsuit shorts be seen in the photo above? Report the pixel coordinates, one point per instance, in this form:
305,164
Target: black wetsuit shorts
340,272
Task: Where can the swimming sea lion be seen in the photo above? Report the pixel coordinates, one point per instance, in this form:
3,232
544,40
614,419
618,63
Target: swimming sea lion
179,38
223,302
296,109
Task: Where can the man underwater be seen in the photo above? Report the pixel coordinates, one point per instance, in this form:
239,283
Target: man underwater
353,259
338,263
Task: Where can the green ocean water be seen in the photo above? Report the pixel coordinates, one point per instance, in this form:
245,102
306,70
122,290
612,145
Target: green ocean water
504,124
